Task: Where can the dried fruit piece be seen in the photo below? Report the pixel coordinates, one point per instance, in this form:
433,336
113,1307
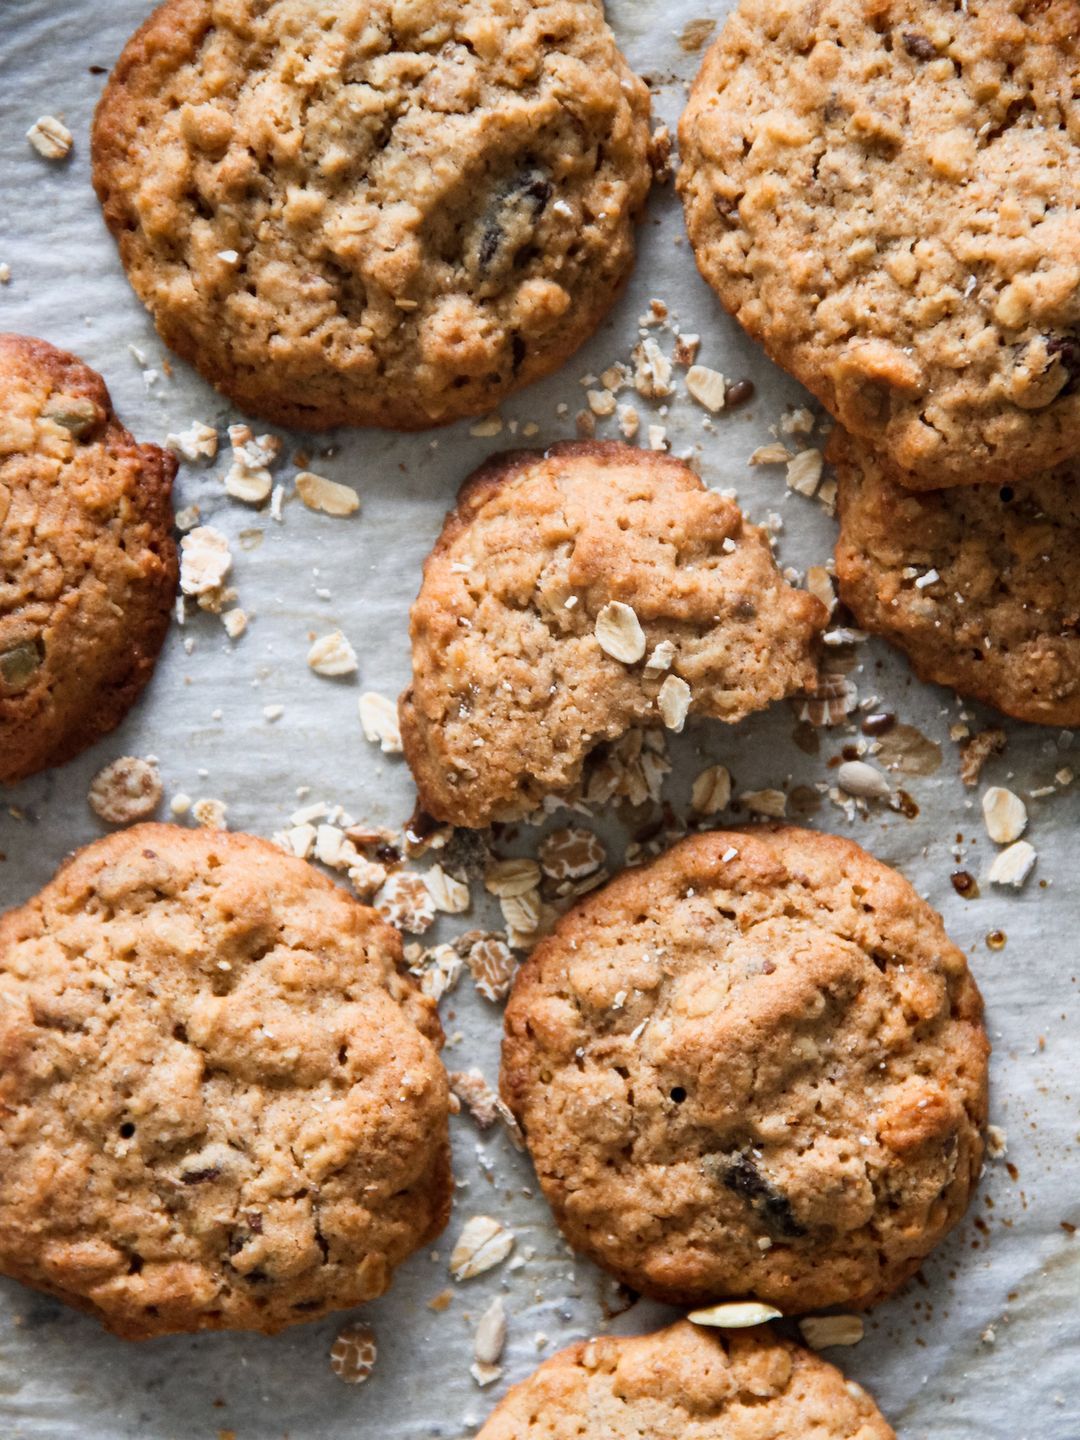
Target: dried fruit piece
735,1315
127,790
482,1244
19,665
353,1354
619,634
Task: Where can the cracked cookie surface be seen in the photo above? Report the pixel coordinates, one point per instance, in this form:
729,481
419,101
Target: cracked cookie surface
979,586
388,212
511,687
221,1103
887,194
755,1067
88,565
688,1382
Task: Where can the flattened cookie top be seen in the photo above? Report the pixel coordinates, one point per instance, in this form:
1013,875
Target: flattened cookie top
979,586
377,212
887,194
687,1382
756,1067
221,1105
512,684
88,565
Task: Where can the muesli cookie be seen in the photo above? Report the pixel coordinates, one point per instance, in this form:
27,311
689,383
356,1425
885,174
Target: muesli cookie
373,213
573,595
755,1068
886,195
979,586
687,1381
88,566
221,1103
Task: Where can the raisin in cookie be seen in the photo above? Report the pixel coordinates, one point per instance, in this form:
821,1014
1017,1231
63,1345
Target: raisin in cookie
87,561
221,1103
887,195
979,586
687,1382
374,213
577,593
755,1067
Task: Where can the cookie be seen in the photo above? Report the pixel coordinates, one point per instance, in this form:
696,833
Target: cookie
576,594
979,586
755,1067
374,213
887,195
88,566
687,1381
221,1102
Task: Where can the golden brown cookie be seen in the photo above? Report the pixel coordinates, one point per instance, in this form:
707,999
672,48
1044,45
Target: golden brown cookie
979,585
88,566
690,1383
886,193
756,1067
221,1102
374,213
576,594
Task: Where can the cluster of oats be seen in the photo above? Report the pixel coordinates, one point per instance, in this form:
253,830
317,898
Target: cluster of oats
1005,816
248,477
205,562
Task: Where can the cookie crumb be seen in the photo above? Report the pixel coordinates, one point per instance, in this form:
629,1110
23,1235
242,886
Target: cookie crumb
125,791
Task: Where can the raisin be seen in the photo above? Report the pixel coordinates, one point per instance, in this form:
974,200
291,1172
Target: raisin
200,1177
19,665
512,216
919,46
774,1208
739,393
1065,349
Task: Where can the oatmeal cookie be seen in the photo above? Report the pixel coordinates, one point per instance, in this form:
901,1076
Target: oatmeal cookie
569,588
374,213
979,586
688,1382
756,1067
88,566
221,1103
886,193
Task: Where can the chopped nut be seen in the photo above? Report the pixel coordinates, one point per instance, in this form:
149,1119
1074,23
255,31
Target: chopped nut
406,902
318,493
210,814
734,1314
353,1354
127,790
652,370
673,702
332,655
448,895
657,437
379,719
601,402
490,1334
505,878
619,633
855,777
482,1244
822,1331
804,472
708,387
661,658
765,802
1014,865
474,1092
492,966
50,138
300,839
205,560
711,791
197,442
571,853
1004,813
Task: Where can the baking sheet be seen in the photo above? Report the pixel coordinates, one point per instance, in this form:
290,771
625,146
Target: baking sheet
987,1341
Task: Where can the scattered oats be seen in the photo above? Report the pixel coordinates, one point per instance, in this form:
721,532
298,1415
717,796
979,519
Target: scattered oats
834,700
823,1331
1013,866
482,1244
571,853
601,402
485,429
711,791
997,1145
273,712
804,472
774,454
1005,815
629,421
235,622
521,913
332,655
300,840
797,422
819,583
406,902
379,720
477,1095
673,702
490,1333
619,634
765,802
366,877
657,437
353,1354
661,658
248,477
210,814
734,1314
930,578
441,972
127,790
491,964
318,493
505,878
205,560
708,387
484,1374
686,348
652,370
857,778
180,804
449,896
197,442
50,138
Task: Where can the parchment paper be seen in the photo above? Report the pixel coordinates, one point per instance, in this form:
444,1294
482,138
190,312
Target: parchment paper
985,1343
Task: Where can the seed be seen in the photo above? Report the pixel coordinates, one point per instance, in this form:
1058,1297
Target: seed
857,778
822,1331
735,1315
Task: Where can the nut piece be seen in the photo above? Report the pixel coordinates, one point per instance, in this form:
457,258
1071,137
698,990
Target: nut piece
197,442
673,702
712,790
708,387
379,718
821,1331
490,1333
125,791
50,138
318,493
734,1315
482,1244
855,777
332,655
1014,865
353,1354
619,634
1005,815
205,560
